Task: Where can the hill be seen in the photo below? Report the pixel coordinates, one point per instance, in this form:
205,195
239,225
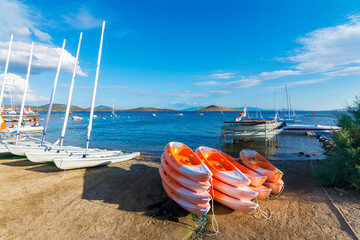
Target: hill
148,109
59,108
215,108
102,108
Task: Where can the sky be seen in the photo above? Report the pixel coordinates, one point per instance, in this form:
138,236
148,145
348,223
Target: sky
182,54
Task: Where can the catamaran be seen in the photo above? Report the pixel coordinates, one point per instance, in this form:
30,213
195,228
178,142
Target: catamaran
20,149
75,158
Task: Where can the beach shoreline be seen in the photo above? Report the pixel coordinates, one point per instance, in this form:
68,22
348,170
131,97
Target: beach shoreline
126,200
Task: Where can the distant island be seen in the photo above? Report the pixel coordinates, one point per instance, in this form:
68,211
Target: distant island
148,109
215,108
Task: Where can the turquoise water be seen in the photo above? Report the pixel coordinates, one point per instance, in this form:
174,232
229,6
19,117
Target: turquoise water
138,131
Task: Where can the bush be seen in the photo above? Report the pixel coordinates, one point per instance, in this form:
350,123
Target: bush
343,167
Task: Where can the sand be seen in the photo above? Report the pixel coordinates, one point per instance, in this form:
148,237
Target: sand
126,201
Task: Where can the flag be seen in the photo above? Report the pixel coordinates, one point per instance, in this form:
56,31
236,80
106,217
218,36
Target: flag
30,110
2,122
241,115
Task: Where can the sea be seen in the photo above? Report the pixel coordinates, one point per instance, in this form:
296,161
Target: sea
147,134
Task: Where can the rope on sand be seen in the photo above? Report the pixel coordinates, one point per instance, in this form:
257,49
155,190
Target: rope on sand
213,219
335,205
262,212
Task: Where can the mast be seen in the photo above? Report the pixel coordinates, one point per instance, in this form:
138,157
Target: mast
113,111
287,100
5,72
24,97
94,91
70,94
53,93
275,106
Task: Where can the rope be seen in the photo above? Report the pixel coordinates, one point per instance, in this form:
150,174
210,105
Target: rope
264,212
335,205
201,230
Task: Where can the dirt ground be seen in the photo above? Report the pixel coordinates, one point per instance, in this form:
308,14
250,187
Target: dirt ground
126,201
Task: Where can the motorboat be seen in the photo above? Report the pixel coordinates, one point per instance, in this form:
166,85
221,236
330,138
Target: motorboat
251,135
300,128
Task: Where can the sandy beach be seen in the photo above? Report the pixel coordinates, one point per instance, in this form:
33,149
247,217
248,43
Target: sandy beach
126,201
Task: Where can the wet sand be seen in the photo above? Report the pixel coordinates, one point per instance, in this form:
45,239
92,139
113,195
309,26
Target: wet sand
126,201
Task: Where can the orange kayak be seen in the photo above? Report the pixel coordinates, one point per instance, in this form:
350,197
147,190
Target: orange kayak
184,193
221,168
263,192
259,164
255,178
199,209
233,203
182,180
183,160
275,187
243,192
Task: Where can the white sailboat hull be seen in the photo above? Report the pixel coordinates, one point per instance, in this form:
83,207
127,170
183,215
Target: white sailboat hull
20,149
25,129
48,156
92,160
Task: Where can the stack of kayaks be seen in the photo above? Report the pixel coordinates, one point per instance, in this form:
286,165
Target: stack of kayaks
230,185
257,180
185,178
254,161
191,179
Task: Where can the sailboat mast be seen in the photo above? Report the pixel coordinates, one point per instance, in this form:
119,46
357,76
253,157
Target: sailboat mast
5,72
94,91
24,97
70,94
287,100
53,93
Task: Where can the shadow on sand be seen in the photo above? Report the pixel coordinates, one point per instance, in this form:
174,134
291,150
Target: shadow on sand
138,189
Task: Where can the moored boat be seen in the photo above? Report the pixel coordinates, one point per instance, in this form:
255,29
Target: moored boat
300,128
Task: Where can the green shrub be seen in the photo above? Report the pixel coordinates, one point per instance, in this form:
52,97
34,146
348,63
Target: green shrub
342,169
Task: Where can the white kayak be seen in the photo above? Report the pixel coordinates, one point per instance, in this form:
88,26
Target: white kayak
49,155
20,149
92,160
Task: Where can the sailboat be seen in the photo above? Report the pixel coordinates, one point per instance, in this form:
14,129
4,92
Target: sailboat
288,119
20,149
94,158
45,153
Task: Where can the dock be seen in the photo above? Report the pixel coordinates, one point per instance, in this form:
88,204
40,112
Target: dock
251,130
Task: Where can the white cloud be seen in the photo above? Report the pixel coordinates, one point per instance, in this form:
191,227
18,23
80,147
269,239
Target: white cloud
221,92
18,19
82,20
299,83
330,48
243,83
277,74
345,72
207,83
45,58
16,84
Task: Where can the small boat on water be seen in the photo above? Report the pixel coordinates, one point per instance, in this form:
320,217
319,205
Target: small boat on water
300,128
253,127
251,135
77,118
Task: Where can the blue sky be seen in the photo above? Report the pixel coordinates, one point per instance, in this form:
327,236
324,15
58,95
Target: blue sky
179,54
